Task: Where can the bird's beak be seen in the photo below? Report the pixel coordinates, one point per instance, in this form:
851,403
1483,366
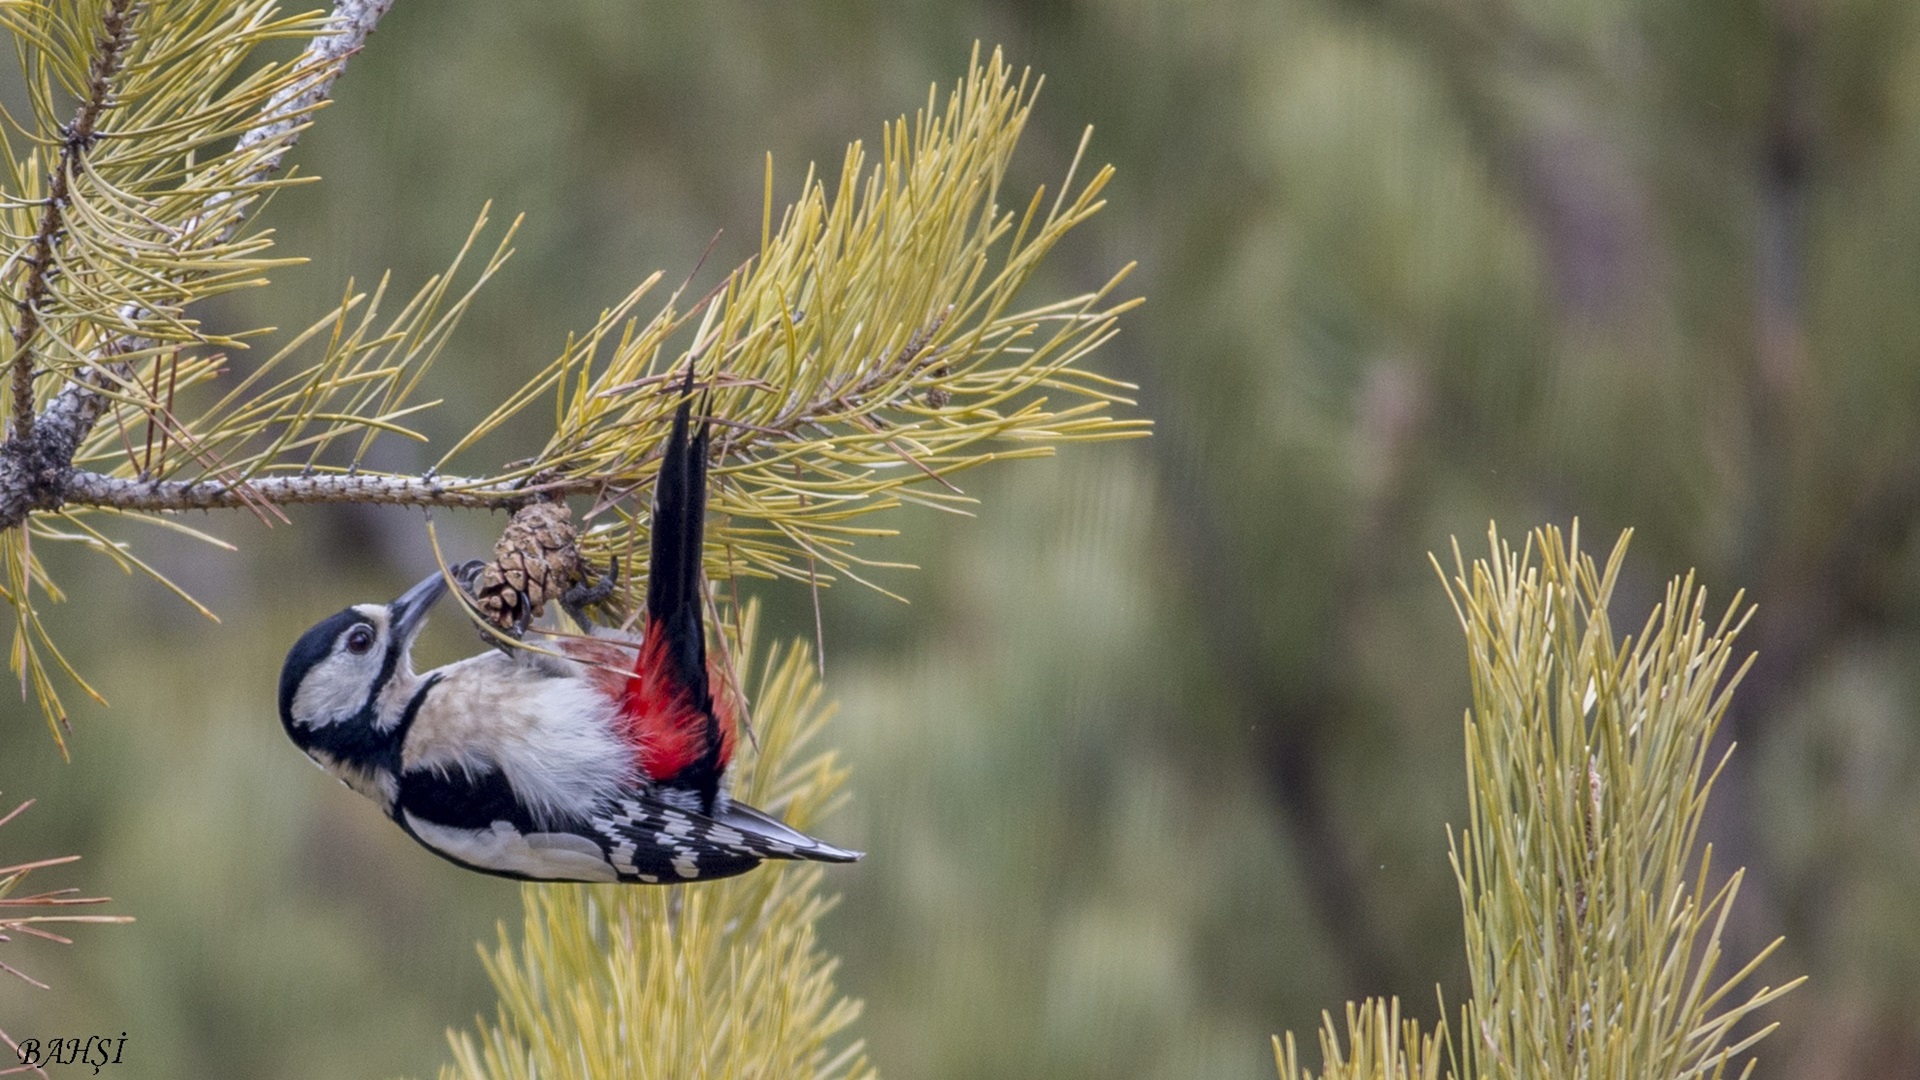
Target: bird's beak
409,613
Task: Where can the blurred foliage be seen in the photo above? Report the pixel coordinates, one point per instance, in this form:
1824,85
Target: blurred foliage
1155,763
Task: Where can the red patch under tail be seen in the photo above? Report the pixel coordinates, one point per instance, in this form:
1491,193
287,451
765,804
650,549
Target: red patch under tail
673,735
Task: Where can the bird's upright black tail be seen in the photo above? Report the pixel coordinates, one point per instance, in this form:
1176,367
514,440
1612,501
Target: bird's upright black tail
673,571
675,608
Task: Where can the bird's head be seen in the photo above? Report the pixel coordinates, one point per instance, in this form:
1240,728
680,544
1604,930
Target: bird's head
346,685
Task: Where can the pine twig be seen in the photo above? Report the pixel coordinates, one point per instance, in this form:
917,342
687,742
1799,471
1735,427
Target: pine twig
96,489
77,140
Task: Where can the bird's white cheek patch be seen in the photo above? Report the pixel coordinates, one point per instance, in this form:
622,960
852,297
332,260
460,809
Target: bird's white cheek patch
331,693
548,856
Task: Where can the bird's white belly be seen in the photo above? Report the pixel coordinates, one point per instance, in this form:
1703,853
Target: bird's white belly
550,856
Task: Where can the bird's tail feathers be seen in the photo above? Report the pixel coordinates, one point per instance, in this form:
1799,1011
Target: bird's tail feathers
778,840
674,595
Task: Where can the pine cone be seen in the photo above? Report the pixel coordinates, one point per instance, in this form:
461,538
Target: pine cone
534,562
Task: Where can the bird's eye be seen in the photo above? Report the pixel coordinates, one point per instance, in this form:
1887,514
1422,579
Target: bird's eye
360,639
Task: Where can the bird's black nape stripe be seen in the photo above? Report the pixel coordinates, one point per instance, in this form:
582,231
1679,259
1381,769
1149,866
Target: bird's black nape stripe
360,741
674,596
388,663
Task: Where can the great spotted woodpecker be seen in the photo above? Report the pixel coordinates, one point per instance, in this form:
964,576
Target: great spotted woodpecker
606,763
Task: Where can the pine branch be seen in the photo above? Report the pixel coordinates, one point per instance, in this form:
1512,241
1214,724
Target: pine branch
381,489
326,56
75,408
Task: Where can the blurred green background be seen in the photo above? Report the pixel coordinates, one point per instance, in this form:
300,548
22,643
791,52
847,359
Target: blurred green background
1159,759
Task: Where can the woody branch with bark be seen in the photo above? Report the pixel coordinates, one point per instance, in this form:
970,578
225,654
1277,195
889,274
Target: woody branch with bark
870,350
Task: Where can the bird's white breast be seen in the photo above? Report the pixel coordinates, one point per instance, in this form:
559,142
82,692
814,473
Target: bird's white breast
376,784
542,724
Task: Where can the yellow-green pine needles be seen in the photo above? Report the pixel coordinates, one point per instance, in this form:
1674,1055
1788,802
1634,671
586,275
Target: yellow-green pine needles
153,197
867,355
1379,1045
1594,923
721,980
274,421
122,204
270,422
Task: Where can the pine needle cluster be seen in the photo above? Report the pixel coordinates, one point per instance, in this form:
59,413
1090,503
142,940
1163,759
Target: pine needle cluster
125,190
1594,923
722,980
870,351
1379,1045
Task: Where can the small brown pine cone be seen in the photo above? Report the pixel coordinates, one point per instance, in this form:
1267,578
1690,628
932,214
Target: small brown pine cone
534,562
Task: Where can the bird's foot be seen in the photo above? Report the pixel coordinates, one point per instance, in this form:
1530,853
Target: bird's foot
576,600
467,574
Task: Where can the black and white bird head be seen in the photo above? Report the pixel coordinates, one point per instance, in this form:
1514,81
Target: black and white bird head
346,685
